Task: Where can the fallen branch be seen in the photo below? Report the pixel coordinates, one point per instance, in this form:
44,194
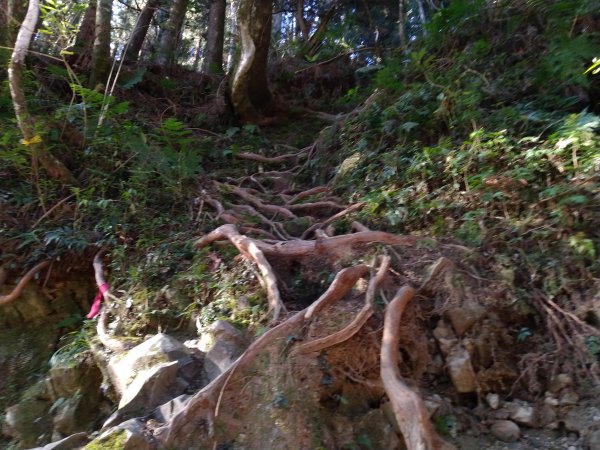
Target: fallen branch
18,289
408,406
357,226
249,248
361,318
314,205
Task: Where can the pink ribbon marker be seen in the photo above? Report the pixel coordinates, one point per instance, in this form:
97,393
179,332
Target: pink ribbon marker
95,309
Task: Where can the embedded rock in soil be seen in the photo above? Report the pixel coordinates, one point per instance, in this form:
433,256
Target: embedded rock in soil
29,422
151,388
72,442
159,349
506,431
223,344
376,430
445,337
522,413
465,316
461,370
129,435
559,382
493,400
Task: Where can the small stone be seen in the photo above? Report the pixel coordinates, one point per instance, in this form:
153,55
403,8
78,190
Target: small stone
465,316
550,399
568,398
493,400
559,382
506,431
445,337
523,414
461,370
546,415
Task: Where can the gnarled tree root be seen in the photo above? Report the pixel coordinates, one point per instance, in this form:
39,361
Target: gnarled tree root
250,249
409,409
18,290
357,323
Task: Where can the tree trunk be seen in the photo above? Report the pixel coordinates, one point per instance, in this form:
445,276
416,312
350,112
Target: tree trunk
165,53
250,94
15,13
402,24
4,23
311,47
141,29
213,56
422,16
101,50
302,24
53,166
84,41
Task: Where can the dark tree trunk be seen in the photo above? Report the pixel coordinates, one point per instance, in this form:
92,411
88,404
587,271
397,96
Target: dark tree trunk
165,53
213,56
15,13
311,47
141,29
101,51
4,23
302,23
250,92
84,41
402,23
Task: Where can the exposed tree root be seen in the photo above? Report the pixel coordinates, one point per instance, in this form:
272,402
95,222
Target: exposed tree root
361,318
270,160
409,409
18,289
307,193
339,215
249,248
259,204
343,282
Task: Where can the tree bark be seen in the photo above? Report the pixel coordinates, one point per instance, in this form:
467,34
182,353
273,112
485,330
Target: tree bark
141,29
53,166
402,23
301,21
84,41
101,50
213,56
15,13
250,93
311,47
165,53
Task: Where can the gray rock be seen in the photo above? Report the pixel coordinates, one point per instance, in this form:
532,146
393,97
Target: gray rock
167,410
593,440
493,400
461,370
72,442
29,422
506,431
159,349
223,344
129,435
379,432
523,414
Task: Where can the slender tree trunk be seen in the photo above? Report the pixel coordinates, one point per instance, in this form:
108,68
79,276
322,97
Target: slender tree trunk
84,41
53,166
165,53
15,13
4,23
311,47
402,23
301,21
213,56
141,29
101,51
422,16
233,35
250,94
